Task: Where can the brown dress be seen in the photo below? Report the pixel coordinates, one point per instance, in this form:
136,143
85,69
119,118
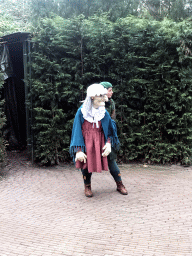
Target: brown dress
94,142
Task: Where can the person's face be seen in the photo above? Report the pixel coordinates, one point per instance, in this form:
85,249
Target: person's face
99,101
109,92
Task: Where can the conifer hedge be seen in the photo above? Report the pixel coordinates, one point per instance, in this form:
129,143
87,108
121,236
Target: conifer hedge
149,64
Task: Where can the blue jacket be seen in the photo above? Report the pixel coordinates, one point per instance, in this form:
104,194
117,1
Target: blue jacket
77,140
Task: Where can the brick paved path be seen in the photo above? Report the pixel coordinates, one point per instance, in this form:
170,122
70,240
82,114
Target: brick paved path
43,212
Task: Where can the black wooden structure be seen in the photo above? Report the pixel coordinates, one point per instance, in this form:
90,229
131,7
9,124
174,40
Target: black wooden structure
15,58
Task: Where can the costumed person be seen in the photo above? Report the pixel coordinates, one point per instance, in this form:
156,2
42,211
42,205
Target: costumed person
93,135
113,167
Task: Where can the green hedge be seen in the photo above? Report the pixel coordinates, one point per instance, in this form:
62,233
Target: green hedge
148,62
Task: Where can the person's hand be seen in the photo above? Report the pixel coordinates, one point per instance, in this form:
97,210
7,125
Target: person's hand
81,157
107,149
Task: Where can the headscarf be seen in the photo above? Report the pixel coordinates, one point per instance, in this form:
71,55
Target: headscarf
106,85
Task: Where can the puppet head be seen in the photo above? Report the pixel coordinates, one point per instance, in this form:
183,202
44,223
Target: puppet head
93,108
97,93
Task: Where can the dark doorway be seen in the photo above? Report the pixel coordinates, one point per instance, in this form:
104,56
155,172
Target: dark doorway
13,91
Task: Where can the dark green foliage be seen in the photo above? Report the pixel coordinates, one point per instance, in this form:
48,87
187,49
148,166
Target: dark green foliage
149,64
51,132
56,92
158,124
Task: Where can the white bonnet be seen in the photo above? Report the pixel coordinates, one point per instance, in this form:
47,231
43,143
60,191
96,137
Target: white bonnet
96,90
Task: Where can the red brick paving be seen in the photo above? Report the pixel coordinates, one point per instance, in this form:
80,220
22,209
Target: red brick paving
43,212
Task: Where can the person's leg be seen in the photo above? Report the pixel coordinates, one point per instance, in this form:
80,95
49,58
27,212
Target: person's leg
114,169
86,176
87,182
115,172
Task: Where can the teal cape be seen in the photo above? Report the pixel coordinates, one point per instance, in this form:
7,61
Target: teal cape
77,140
